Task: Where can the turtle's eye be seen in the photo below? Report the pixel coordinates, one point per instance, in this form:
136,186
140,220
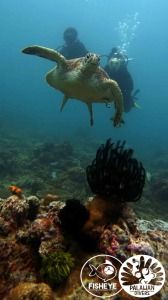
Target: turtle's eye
88,55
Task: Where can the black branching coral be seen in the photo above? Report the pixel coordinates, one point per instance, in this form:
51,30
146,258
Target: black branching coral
114,173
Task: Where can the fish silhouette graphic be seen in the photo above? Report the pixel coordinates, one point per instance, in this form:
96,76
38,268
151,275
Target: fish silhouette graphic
105,271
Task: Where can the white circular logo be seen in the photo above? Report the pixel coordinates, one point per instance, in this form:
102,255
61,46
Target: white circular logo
99,276
142,276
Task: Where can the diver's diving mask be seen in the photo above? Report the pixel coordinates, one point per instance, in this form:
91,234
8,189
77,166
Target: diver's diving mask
114,63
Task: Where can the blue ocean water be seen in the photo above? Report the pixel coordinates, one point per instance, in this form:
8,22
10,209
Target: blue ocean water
29,106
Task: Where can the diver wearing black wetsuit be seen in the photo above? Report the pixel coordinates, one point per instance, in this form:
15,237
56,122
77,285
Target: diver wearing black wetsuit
117,70
73,48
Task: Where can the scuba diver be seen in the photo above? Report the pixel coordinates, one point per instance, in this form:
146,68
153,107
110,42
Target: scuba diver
117,70
73,48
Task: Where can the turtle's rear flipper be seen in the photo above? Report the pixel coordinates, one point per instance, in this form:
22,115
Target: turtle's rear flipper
47,53
64,101
89,105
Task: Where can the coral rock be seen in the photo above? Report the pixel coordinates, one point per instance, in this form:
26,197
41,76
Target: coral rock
6,226
31,291
50,198
155,224
15,208
18,264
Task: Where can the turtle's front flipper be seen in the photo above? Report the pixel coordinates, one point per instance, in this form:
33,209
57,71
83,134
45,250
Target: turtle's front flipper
116,96
47,53
64,101
89,105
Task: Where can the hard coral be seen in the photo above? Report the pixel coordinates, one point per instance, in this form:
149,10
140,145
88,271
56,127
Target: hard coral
45,227
141,247
56,267
6,227
16,209
113,241
114,173
18,264
50,198
31,291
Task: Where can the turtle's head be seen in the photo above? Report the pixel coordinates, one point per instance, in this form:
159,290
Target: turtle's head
92,59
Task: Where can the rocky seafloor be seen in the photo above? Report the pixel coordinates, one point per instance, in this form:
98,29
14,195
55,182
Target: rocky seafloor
32,235
41,167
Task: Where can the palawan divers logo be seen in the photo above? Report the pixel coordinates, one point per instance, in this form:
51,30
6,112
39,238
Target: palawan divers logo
99,276
142,276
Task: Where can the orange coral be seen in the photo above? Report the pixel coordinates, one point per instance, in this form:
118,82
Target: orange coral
31,291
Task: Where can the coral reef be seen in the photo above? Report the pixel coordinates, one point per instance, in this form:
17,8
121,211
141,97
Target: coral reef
40,252
23,247
56,267
45,227
31,291
6,226
155,224
49,198
115,173
18,264
15,208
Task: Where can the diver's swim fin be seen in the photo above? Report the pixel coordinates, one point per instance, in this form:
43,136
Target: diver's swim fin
137,91
136,105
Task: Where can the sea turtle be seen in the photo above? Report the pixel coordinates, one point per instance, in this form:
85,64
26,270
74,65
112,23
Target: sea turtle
81,78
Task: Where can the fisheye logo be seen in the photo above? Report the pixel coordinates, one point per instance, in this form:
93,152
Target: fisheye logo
142,276
99,276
